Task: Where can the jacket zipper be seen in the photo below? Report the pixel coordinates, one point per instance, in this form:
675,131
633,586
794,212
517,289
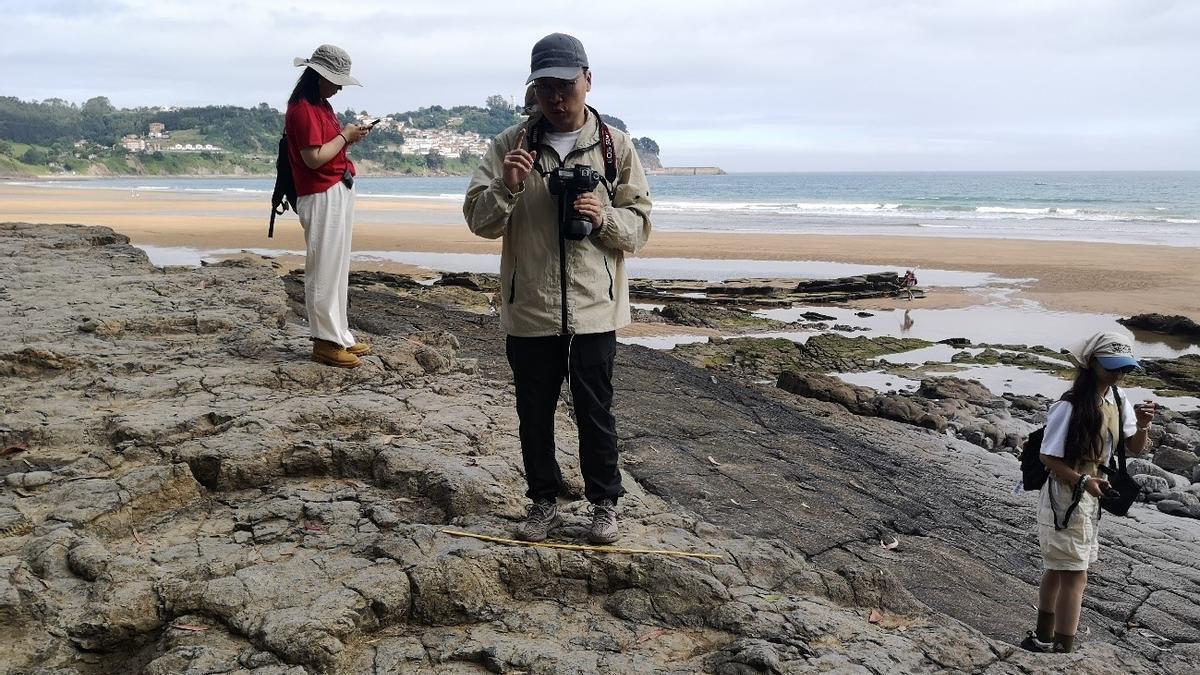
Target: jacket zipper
562,250
562,279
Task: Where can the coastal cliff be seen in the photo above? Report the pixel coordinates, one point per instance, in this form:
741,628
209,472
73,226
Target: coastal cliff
185,493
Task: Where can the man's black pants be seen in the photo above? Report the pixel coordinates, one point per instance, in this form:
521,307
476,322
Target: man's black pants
539,365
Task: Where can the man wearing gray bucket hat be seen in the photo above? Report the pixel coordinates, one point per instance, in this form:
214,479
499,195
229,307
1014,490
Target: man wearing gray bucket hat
568,197
324,178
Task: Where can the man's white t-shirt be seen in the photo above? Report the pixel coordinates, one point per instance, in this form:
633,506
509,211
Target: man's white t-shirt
563,143
1059,418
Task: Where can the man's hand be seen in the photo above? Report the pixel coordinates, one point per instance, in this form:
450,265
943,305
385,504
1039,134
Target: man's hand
591,208
518,164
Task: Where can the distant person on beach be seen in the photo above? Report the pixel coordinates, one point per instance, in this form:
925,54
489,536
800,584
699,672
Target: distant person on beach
564,293
324,178
909,282
1082,432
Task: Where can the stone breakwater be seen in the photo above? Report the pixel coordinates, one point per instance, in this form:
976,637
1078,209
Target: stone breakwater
185,493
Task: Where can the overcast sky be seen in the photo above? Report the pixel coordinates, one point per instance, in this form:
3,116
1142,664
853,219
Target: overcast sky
792,85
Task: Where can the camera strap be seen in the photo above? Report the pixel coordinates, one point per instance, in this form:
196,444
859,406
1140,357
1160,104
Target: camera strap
536,135
609,149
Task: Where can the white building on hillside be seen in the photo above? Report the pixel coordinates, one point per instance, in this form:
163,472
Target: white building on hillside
133,143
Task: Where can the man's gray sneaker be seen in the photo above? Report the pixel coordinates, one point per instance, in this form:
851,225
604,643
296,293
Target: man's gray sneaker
539,521
604,523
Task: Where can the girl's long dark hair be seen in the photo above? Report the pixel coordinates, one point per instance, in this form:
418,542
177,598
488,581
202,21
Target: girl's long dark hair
1083,431
308,87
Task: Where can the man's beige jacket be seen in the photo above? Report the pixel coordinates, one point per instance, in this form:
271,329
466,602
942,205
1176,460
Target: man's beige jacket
543,292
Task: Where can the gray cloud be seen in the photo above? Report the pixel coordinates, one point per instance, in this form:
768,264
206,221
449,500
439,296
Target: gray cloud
806,85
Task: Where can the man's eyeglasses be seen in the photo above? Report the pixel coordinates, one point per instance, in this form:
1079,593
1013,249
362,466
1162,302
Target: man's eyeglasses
550,87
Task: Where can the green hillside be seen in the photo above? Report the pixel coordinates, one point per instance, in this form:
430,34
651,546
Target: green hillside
60,137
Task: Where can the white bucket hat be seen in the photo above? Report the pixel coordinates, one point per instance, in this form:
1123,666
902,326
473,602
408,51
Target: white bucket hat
331,63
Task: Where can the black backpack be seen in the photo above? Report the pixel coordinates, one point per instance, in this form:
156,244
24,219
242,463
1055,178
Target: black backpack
284,196
1033,472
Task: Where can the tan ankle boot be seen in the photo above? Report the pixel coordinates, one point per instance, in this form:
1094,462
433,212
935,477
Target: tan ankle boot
332,354
359,349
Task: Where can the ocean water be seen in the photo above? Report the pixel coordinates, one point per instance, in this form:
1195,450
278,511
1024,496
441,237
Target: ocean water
1153,207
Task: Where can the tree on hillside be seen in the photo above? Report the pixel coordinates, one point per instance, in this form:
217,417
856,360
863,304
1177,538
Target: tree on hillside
434,161
35,156
614,122
97,106
487,121
646,145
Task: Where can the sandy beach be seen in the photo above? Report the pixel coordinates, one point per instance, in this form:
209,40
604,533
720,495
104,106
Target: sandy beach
1070,276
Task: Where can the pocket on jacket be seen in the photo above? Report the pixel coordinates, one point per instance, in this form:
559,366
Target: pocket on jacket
512,288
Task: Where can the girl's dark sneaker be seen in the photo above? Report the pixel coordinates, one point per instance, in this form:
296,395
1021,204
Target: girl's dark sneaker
1032,644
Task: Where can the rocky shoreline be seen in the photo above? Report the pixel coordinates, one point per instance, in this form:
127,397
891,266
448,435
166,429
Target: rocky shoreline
185,493
962,407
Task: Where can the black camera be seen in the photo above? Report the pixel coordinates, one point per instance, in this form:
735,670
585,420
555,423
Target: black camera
567,185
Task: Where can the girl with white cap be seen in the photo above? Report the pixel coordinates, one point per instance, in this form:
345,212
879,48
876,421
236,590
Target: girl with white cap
1082,431
324,178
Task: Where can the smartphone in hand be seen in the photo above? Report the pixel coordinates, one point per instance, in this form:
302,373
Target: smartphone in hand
371,123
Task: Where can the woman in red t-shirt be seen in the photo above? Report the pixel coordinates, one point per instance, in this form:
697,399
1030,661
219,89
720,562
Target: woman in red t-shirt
324,178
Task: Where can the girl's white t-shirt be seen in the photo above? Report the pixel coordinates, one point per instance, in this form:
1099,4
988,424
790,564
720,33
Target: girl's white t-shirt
1059,418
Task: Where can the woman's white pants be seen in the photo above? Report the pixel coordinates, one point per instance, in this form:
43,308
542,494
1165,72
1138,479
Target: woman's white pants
328,222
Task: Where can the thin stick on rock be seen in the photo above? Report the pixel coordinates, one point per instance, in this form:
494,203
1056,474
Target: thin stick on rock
580,547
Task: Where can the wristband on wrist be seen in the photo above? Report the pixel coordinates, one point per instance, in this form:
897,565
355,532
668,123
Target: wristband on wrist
1083,481
345,141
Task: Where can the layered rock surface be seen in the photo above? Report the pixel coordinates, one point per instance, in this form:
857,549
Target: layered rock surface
771,292
186,493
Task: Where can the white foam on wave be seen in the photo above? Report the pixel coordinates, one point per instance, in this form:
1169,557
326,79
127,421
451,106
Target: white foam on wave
1011,209
445,196
924,212
777,207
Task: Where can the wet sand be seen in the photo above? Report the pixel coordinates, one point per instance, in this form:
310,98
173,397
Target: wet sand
1084,277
